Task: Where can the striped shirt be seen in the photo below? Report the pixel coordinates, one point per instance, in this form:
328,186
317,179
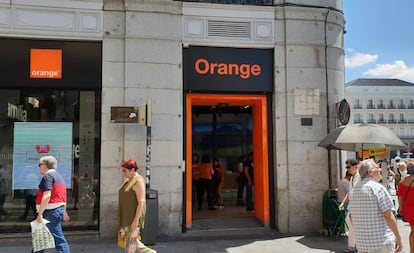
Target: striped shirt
367,205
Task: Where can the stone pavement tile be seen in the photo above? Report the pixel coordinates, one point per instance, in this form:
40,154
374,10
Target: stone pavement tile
232,243
285,244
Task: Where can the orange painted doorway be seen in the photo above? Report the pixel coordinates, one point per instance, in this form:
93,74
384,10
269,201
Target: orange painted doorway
260,147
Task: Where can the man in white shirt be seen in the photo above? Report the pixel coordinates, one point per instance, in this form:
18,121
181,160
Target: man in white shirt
370,207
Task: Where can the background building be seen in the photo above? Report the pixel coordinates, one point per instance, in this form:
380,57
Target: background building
224,79
387,102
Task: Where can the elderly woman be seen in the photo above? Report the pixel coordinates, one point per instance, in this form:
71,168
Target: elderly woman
131,212
406,201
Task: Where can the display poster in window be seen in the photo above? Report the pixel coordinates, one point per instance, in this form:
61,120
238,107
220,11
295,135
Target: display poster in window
33,140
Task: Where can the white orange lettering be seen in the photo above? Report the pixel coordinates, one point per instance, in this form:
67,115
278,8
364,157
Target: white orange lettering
44,73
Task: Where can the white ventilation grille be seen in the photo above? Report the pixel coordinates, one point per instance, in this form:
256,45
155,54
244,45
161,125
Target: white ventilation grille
230,29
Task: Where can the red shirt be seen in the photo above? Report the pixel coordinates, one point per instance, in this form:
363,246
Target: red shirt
52,181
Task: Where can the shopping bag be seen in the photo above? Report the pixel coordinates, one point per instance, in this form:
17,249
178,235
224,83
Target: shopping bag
122,238
136,246
41,236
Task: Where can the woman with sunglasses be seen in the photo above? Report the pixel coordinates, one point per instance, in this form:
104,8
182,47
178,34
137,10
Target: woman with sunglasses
352,168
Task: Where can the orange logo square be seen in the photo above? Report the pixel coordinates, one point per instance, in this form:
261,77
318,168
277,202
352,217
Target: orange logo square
46,63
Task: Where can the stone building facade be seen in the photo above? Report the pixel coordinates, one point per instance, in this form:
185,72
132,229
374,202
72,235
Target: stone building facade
283,61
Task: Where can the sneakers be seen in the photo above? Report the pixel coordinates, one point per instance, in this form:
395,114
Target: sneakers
350,250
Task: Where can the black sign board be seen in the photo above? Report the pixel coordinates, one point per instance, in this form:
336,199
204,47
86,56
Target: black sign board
124,114
81,64
129,114
228,69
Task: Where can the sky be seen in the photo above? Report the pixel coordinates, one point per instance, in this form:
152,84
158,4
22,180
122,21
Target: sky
379,39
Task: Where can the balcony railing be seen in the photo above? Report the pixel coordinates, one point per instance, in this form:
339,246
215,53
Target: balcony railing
380,106
242,2
371,121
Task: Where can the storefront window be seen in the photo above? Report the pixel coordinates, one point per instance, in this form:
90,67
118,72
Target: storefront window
37,122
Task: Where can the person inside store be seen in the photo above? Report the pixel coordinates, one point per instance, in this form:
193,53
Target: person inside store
4,190
51,201
132,208
241,181
370,207
218,183
205,169
249,173
405,195
195,174
30,203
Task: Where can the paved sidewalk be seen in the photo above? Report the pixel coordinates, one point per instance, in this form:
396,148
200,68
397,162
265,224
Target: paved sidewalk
222,241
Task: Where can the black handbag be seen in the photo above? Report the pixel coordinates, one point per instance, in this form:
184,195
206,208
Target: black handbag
401,207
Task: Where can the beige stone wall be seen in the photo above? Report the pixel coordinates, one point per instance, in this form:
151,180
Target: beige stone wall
142,57
308,55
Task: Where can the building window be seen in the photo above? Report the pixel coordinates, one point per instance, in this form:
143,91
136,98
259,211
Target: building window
402,132
380,104
66,116
411,104
371,119
401,119
357,104
391,119
370,104
401,105
391,104
357,118
381,118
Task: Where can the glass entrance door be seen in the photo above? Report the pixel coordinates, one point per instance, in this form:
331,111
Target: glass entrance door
225,126
223,133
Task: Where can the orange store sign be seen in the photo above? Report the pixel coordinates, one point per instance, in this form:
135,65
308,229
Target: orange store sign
46,63
220,69
202,67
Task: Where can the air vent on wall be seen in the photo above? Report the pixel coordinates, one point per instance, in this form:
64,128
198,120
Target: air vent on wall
219,28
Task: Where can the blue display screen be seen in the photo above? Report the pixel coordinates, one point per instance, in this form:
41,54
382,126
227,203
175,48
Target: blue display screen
33,140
